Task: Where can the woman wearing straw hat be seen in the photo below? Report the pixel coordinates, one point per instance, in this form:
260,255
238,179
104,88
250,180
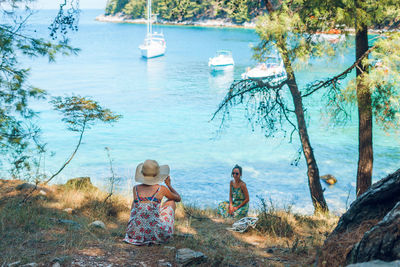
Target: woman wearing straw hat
150,221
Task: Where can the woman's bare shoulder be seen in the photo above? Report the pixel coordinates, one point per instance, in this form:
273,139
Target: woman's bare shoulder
163,189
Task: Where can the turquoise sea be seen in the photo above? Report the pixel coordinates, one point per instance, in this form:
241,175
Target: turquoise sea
167,104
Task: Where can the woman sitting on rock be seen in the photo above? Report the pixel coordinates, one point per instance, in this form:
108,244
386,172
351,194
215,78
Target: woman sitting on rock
238,205
150,221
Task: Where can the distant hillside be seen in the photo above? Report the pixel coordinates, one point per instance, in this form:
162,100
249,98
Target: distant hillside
239,11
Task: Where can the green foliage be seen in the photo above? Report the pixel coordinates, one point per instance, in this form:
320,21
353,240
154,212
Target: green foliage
382,62
19,136
115,6
80,112
237,10
296,31
136,8
383,80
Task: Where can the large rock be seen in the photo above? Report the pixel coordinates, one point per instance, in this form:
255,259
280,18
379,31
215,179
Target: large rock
25,186
80,183
186,256
98,224
364,213
381,242
376,263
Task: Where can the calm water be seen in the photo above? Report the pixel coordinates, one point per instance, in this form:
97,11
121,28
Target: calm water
167,105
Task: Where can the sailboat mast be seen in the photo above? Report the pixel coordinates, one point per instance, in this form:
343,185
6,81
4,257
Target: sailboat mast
149,28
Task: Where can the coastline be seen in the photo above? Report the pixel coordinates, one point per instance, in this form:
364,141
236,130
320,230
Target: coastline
208,23
212,23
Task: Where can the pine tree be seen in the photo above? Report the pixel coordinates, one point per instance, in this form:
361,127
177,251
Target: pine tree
18,133
284,31
375,88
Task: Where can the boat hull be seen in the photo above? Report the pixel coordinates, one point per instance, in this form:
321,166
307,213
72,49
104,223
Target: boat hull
273,78
267,71
221,67
151,51
223,61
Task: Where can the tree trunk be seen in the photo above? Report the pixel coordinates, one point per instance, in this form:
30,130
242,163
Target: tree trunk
314,183
317,195
365,150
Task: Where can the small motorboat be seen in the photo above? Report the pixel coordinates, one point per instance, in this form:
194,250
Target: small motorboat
222,61
273,68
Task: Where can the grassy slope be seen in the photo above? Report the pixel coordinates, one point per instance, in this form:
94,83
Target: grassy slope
31,233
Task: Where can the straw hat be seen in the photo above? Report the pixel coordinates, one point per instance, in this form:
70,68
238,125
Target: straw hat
150,173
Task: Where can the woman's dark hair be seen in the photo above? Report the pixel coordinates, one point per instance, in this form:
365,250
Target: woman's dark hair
238,167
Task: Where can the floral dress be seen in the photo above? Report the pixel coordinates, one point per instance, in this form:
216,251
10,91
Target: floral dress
148,222
237,199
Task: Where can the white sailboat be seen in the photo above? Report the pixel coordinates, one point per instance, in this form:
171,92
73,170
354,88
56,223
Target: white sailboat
154,44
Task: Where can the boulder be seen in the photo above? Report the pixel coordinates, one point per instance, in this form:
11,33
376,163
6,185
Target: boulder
80,183
186,256
24,186
329,179
376,263
364,213
163,263
381,242
98,224
70,223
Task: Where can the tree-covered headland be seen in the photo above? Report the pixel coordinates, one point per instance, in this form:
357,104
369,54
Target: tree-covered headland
239,11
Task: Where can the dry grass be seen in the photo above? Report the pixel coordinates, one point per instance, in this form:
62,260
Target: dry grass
281,239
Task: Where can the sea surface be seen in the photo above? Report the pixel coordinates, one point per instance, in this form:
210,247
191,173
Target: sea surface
167,104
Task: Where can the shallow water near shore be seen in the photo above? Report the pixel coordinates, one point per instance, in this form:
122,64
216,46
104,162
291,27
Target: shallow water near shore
167,104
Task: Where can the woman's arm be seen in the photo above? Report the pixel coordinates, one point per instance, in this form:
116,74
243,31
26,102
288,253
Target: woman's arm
230,194
171,193
246,196
230,199
133,200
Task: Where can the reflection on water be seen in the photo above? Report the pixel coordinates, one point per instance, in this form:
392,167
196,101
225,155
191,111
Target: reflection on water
155,72
220,80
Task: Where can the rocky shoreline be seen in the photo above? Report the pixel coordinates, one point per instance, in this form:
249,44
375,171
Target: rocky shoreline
226,23
213,23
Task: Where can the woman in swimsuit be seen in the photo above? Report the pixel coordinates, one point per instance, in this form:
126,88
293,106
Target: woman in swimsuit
150,221
238,205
